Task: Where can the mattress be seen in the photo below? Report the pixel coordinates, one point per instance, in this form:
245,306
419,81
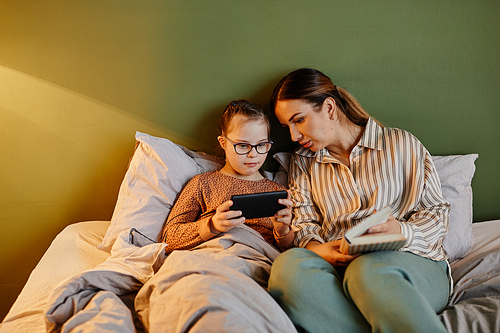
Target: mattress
74,250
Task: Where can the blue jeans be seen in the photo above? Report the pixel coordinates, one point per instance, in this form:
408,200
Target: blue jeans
387,291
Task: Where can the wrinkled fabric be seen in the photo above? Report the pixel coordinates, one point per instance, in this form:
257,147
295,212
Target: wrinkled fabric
125,271
477,276
219,286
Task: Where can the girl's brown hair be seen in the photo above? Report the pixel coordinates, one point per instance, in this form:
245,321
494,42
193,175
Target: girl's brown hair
245,108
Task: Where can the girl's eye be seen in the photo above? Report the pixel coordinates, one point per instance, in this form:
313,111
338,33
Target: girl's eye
243,146
299,120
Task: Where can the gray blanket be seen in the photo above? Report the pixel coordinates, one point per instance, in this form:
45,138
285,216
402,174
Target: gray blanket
219,286
475,302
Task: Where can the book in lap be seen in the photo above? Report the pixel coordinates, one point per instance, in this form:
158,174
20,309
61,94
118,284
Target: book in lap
355,242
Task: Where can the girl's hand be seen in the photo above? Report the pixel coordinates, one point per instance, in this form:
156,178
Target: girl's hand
225,219
330,252
283,218
391,226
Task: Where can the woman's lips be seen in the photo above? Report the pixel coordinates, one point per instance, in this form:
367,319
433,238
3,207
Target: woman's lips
306,144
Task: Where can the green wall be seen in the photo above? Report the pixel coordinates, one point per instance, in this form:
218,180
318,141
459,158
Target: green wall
78,78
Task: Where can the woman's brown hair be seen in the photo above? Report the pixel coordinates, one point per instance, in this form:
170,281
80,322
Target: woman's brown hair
314,87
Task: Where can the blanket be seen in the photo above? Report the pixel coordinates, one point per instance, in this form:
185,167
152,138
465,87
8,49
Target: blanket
91,301
218,286
475,301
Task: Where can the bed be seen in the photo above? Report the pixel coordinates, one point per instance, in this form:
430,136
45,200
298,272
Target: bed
113,276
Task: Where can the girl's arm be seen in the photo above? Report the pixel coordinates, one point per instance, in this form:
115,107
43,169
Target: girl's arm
181,231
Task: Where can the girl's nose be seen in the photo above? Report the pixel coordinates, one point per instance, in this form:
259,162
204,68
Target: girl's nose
253,152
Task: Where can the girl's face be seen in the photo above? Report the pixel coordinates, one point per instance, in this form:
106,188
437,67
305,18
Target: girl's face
252,132
313,129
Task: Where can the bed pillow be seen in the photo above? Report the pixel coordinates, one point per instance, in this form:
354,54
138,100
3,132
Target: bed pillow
157,172
455,173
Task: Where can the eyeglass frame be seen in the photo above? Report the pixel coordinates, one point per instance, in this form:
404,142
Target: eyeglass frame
251,146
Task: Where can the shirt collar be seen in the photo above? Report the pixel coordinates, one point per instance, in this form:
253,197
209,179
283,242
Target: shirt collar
371,138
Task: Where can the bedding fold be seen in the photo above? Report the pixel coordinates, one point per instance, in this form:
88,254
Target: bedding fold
477,276
219,286
75,301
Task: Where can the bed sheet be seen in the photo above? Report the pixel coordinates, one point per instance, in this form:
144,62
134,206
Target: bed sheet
486,238
475,302
74,251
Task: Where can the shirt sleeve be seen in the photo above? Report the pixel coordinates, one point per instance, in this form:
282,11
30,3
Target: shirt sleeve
306,222
426,226
181,230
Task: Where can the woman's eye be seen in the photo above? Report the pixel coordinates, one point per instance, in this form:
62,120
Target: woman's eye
299,120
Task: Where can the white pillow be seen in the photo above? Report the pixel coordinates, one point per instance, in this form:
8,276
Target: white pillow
455,173
157,172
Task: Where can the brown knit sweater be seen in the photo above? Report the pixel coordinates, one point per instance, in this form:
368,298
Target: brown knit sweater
188,222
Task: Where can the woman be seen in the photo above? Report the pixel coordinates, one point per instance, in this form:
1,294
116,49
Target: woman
348,167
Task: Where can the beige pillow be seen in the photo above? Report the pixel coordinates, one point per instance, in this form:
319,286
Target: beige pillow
158,171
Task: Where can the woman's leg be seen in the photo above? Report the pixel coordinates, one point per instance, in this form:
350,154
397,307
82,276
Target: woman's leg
310,291
398,291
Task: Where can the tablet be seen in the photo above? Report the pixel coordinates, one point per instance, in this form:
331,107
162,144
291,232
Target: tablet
258,205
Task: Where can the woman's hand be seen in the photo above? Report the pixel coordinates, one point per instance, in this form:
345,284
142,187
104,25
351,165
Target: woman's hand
391,226
283,218
330,252
225,219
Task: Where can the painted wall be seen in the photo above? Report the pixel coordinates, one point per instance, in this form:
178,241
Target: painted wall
78,78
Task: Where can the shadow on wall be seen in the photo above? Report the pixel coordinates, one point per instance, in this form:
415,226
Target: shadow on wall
64,156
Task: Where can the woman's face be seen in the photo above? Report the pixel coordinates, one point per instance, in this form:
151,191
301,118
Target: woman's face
242,130
310,127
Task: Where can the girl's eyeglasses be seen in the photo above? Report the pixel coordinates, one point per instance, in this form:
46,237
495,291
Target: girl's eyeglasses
245,148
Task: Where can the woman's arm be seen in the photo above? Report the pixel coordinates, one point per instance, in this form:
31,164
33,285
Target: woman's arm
427,225
422,215
330,252
306,220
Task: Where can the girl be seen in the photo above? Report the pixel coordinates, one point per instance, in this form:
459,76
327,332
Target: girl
218,283
203,209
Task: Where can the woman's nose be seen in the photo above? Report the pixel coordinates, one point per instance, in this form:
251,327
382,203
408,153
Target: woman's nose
295,135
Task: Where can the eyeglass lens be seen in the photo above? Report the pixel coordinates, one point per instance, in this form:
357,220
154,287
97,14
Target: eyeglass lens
245,148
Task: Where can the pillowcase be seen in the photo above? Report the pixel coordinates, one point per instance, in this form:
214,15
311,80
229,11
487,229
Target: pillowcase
157,172
455,173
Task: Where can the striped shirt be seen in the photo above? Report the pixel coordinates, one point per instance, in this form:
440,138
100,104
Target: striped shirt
388,166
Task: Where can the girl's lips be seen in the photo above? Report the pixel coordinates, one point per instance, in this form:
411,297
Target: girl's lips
251,165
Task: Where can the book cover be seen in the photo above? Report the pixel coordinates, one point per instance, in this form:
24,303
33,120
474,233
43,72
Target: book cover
354,240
